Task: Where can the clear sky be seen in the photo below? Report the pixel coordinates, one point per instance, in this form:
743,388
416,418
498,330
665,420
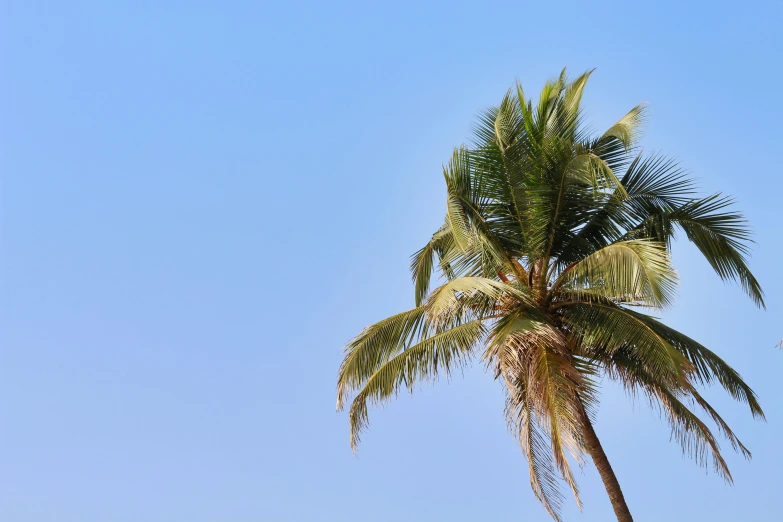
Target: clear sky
201,202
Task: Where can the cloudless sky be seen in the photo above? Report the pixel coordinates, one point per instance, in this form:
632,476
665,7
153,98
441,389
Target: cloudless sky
201,202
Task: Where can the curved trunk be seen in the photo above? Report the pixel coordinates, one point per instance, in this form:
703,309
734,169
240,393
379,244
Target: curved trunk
596,451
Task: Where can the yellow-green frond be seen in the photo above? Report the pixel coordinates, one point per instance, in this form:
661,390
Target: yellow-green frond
626,271
375,345
419,363
628,129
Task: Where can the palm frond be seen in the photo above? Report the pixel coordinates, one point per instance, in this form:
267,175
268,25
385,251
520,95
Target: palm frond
419,363
691,433
590,169
375,345
542,393
693,436
708,366
635,270
722,237
422,261
536,448
736,444
604,327
653,186
627,129
470,293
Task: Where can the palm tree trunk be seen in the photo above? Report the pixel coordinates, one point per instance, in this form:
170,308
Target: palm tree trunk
596,451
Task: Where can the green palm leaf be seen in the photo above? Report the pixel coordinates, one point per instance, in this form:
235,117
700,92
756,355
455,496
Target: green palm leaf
637,271
422,361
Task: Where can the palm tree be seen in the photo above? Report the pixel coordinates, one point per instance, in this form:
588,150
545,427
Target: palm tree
554,241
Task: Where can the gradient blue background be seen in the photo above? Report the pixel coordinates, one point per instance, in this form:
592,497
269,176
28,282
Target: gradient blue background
202,202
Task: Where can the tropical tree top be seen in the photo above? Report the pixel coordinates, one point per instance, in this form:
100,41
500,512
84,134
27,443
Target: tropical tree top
554,243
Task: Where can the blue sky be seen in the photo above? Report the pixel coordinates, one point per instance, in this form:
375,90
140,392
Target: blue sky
201,202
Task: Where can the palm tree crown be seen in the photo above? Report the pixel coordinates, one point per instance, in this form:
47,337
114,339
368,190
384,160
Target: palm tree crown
553,243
